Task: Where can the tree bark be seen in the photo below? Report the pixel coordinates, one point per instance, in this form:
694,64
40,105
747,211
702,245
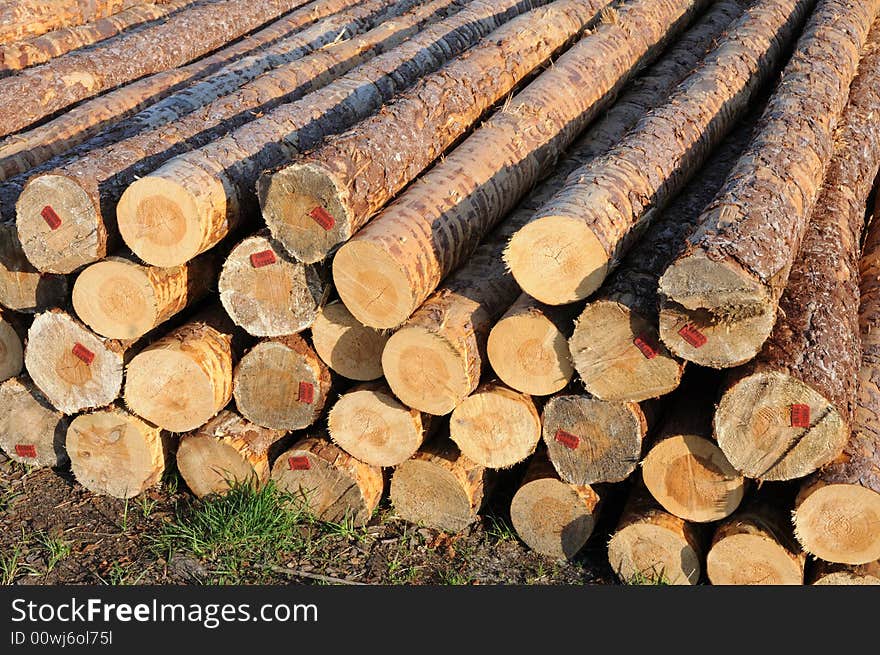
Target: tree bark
347,346
24,18
31,430
22,287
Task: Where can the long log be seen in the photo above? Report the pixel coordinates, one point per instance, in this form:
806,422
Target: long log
12,332
114,453
24,18
31,430
226,450
330,483
202,195
407,250
581,234
346,345
353,175
727,283
789,411
22,287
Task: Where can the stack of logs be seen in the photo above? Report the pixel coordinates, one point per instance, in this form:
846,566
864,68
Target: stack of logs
356,246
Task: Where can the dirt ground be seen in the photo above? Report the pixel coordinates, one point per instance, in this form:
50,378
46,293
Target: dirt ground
53,531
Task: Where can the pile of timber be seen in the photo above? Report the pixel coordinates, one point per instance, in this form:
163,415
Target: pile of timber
386,248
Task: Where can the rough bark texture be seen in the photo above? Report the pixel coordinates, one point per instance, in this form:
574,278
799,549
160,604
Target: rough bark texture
209,191
22,287
575,239
41,91
407,250
333,485
31,430
355,174
813,353
227,449
40,49
12,333
347,346
737,263
23,18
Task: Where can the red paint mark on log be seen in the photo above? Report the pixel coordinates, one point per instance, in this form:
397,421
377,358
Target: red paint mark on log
322,217
83,353
26,450
567,439
52,219
647,346
306,392
800,416
299,463
265,258
693,336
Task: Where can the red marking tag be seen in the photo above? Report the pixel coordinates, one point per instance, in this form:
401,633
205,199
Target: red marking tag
693,336
25,450
83,353
52,219
306,392
322,217
648,348
299,463
567,439
260,259
800,416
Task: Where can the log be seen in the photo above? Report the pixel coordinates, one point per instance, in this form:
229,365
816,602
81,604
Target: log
606,205
183,379
346,345
24,18
331,484
31,430
755,546
651,546
226,450
789,411
408,249
75,368
40,49
615,345
591,440
495,426
113,453
552,517
204,194
82,193
43,90
12,332
826,573
353,175
267,292
282,384
727,283
440,488
369,423
22,287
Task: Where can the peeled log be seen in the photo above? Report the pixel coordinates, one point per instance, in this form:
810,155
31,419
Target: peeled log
651,546
113,453
226,450
346,345
424,235
590,440
825,573
440,488
353,175
22,287
121,299
267,292
334,486
552,517
281,384
11,345
180,381
496,426
23,18
369,423
728,282
31,430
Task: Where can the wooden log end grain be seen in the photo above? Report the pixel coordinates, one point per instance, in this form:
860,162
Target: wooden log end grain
619,356
827,573
346,345
281,384
22,287
267,292
31,430
553,517
114,453
495,426
11,347
370,424
772,426
226,450
332,484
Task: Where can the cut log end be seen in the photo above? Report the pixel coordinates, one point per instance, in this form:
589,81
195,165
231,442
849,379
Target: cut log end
752,559
11,351
847,578
426,493
346,345
619,356
58,225
840,523
425,371
116,300
772,426
692,479
22,287
557,260
32,432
